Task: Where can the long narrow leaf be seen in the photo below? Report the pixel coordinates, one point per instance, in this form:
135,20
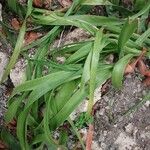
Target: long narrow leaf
86,71
78,55
12,109
37,93
128,29
19,42
143,37
22,129
9,139
16,52
99,44
47,131
118,71
97,2
48,80
77,98
143,10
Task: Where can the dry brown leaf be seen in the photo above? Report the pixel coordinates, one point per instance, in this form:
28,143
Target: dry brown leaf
31,36
130,67
42,3
89,138
146,81
38,3
144,71
15,24
142,67
65,3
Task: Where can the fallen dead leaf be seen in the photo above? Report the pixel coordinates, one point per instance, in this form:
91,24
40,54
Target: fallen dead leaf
65,3
142,67
144,71
89,138
31,36
15,24
38,3
146,81
130,67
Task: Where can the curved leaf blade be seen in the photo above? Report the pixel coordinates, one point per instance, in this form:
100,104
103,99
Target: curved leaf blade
118,71
128,29
48,80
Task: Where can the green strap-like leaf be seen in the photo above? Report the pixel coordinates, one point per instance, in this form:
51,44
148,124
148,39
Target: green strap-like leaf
18,45
118,71
22,129
103,74
87,22
143,37
68,107
10,140
128,29
81,53
97,2
12,109
143,10
63,95
99,44
48,80
16,52
47,131
86,71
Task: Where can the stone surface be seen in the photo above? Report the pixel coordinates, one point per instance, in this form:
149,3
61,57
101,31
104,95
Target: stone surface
125,142
116,131
2,103
75,35
3,63
17,75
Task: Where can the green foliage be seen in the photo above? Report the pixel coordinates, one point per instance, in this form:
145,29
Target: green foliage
45,101
118,70
128,29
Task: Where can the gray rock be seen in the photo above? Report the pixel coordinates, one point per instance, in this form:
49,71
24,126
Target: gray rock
3,63
17,75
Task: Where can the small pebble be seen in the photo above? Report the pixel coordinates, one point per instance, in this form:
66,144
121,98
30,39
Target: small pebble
3,63
147,104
